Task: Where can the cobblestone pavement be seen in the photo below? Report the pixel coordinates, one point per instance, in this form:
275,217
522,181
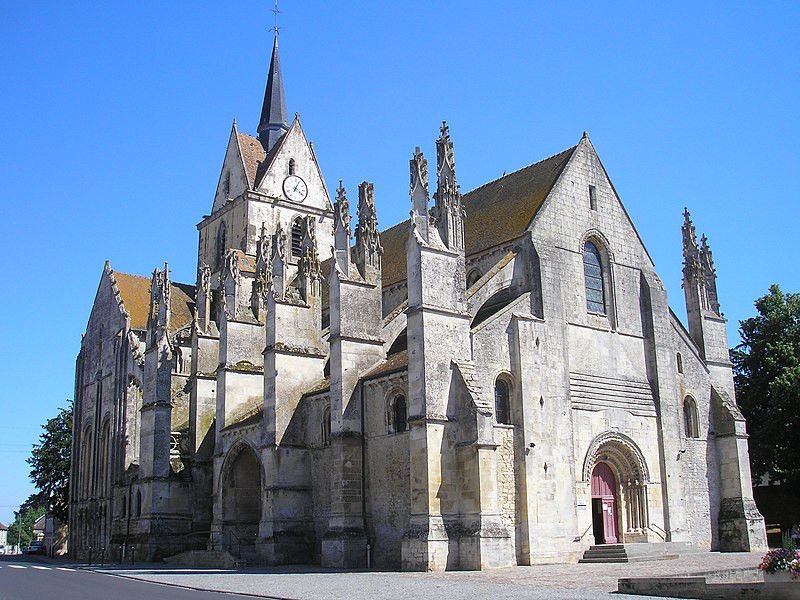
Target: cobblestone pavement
559,582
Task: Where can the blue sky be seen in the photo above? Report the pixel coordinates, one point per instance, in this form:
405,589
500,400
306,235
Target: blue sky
115,119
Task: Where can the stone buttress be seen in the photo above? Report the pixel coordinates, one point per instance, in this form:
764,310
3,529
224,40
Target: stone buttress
355,345
741,526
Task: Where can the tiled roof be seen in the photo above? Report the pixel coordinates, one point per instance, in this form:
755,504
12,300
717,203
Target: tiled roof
3,527
497,212
134,291
396,362
253,155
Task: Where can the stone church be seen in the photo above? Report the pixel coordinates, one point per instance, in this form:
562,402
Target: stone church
498,380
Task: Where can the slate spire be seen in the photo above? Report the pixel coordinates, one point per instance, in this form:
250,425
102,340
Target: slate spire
274,121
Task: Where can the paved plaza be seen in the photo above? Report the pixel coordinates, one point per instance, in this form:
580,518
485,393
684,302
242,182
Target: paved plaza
559,582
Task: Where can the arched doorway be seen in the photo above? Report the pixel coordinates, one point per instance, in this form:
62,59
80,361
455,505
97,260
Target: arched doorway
604,504
618,476
241,502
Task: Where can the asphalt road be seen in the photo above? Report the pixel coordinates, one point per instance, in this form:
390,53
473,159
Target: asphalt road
31,578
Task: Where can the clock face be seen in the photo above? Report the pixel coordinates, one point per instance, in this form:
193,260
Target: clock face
295,188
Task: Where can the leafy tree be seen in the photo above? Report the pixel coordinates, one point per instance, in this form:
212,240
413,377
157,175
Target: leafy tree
31,510
767,376
50,462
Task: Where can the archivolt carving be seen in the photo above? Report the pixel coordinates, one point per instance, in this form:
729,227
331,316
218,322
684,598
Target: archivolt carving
621,452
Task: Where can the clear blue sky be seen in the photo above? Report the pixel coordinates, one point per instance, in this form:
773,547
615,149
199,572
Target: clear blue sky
115,118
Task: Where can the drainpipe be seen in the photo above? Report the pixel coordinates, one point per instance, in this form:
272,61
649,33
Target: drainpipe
364,472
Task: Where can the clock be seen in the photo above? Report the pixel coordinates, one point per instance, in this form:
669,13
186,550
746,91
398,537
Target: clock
295,189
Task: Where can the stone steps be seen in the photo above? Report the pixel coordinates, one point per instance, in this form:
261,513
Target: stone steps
627,553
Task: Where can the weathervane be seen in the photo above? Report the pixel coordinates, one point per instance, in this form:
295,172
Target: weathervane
275,11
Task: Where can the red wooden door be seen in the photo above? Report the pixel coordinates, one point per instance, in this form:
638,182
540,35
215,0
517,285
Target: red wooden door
604,487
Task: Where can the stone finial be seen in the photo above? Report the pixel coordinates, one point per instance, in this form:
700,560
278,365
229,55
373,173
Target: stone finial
419,182
262,284
232,265
341,231
368,240
278,267
709,272
341,210
445,155
204,279
448,212
158,319
203,297
690,249
309,269
262,246
420,217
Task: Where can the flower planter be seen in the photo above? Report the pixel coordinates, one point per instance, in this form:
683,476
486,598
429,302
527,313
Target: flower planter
779,577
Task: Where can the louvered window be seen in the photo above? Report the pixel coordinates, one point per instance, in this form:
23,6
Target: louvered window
593,278
297,238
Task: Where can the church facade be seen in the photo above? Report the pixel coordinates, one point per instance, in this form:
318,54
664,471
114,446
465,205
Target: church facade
498,380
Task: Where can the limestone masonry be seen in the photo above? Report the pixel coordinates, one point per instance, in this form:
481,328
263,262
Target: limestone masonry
498,380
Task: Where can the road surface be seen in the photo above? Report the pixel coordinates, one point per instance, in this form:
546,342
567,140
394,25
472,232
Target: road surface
33,578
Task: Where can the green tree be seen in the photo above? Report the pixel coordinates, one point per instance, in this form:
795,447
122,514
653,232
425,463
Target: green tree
767,376
50,462
22,529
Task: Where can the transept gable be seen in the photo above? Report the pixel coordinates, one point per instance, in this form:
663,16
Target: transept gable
585,196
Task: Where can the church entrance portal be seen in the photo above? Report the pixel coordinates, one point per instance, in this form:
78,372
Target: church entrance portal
604,504
241,503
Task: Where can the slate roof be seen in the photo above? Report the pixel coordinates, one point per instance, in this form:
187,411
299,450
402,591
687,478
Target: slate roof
497,212
134,290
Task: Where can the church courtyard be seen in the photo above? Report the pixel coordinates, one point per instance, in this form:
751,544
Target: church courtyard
558,581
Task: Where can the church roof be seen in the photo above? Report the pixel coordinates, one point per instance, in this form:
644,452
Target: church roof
497,212
392,364
252,155
134,291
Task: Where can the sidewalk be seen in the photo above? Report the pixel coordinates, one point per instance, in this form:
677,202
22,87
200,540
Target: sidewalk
559,582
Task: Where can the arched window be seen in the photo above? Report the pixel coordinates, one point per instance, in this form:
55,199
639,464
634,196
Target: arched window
291,166
679,361
219,252
502,409
105,461
138,503
473,277
298,231
398,415
690,418
325,428
593,279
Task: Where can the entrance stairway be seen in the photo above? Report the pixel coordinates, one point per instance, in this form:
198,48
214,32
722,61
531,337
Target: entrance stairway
626,553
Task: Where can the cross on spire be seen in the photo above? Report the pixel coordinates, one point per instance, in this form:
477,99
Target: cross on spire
276,12
274,122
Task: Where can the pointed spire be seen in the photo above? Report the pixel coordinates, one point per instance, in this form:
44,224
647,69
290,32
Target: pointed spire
274,121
